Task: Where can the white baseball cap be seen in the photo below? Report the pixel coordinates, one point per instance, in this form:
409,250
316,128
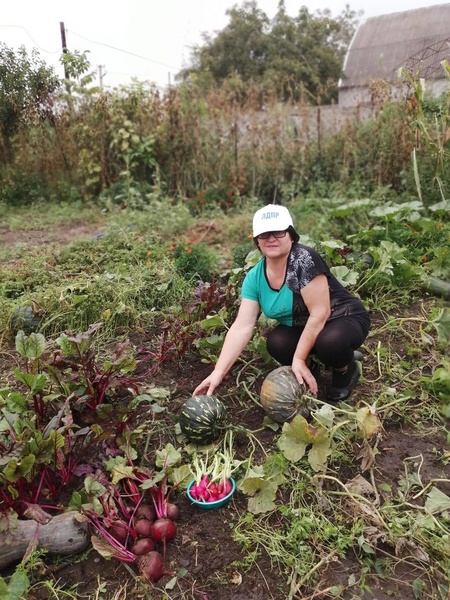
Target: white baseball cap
272,217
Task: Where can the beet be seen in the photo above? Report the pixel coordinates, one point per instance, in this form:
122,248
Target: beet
143,546
145,511
163,530
143,528
119,530
172,511
151,566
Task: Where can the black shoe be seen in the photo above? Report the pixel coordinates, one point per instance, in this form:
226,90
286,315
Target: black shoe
358,355
343,383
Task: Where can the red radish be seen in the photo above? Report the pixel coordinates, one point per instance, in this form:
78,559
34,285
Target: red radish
143,546
227,486
212,477
163,530
211,493
151,566
145,511
143,528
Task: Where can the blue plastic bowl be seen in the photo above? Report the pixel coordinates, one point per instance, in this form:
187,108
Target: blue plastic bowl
211,505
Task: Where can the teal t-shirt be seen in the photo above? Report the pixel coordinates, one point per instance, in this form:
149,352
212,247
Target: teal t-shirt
286,304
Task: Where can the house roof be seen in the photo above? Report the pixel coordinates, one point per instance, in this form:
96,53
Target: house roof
383,44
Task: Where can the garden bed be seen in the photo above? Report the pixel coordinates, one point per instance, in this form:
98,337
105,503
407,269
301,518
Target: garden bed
213,557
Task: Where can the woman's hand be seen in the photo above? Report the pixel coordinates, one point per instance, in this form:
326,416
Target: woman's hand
304,375
237,338
208,385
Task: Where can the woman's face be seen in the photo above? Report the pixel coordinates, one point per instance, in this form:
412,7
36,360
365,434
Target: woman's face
275,246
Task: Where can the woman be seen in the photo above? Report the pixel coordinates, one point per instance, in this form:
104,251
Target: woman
316,314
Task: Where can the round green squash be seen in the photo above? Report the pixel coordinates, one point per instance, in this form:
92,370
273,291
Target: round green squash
202,418
282,397
25,318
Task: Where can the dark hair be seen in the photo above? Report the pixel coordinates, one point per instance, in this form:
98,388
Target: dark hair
291,231
294,235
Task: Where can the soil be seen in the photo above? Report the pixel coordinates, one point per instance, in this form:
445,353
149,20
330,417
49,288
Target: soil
214,563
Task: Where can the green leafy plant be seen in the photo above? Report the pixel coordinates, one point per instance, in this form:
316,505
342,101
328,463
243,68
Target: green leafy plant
194,260
93,381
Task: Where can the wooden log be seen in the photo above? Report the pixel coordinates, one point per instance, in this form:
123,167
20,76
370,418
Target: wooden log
63,534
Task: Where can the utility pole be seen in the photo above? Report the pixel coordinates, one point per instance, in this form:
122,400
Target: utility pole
64,45
101,75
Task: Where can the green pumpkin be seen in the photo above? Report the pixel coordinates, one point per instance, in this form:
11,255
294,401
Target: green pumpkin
282,397
202,418
25,318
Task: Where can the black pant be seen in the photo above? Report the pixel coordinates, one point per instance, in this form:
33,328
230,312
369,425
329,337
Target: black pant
334,345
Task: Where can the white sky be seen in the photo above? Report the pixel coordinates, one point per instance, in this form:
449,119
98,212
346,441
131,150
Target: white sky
160,32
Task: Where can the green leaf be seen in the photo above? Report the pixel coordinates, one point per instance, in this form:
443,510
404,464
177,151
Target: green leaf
418,587
345,275
17,468
298,435
349,207
171,583
103,548
319,454
180,476
325,416
213,321
93,487
442,206
156,408
16,403
35,383
78,298
120,472
368,421
271,424
263,499
4,592
155,394
416,174
259,346
291,444
274,468
437,501
18,585
32,346
385,487
149,483
168,457
66,346
333,244
442,325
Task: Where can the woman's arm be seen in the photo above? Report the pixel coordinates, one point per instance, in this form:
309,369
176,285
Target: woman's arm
237,338
316,296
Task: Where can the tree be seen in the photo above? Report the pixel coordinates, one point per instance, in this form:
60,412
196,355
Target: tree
293,54
239,49
26,88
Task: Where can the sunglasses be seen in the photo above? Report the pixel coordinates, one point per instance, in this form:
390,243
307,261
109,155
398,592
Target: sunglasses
275,234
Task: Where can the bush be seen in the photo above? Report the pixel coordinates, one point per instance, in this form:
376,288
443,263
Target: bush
194,260
22,190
